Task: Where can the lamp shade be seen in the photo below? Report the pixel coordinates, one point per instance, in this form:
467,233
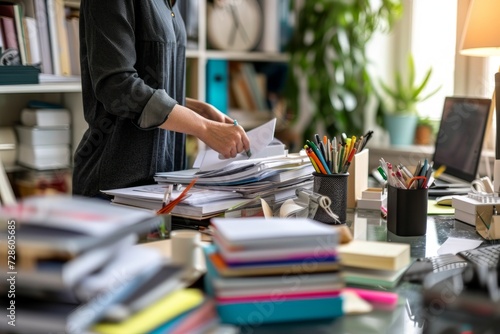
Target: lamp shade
481,35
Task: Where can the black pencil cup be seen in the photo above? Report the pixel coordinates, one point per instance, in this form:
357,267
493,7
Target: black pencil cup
333,186
407,211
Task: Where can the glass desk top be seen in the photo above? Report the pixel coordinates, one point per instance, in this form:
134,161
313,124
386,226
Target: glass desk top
407,317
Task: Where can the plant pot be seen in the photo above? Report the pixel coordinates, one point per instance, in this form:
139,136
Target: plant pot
423,135
401,129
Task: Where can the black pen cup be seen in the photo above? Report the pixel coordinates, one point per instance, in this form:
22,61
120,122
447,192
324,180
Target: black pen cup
333,186
407,211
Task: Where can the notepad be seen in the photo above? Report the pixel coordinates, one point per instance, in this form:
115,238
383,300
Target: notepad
375,255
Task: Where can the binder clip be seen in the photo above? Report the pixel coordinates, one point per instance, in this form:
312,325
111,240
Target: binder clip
314,202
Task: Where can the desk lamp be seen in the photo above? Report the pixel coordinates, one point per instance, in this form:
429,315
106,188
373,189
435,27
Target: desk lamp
481,38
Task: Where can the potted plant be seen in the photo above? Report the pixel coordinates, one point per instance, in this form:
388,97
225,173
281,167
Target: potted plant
328,62
424,133
398,105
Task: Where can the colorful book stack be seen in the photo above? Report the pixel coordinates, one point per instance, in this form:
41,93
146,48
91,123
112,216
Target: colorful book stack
73,267
273,270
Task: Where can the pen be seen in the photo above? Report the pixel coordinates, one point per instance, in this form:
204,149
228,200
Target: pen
319,156
349,159
320,146
366,138
314,157
248,152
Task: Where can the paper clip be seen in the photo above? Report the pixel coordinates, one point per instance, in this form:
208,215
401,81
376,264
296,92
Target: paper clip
417,178
167,194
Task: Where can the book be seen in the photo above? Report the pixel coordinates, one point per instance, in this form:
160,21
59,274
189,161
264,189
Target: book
257,233
375,255
41,17
9,33
165,281
45,117
298,267
69,225
73,44
201,211
15,12
35,136
55,273
32,41
18,75
48,313
199,320
162,311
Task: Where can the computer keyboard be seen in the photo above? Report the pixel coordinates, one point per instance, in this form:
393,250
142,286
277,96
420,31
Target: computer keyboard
487,256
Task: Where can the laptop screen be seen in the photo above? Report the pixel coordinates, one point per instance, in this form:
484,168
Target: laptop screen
460,137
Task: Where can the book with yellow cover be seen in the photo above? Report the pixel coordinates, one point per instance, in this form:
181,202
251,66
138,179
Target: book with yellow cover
374,255
156,314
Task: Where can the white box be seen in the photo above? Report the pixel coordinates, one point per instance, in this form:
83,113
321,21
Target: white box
45,117
372,204
44,157
43,136
373,193
467,209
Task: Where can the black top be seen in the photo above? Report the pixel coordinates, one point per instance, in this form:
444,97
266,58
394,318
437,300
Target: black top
133,74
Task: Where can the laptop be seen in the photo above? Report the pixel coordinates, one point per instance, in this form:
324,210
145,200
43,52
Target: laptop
459,144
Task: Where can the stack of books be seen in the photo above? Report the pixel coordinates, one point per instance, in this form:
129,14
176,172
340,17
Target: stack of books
73,266
287,265
44,137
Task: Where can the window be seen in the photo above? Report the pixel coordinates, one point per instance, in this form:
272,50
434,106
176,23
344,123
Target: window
433,44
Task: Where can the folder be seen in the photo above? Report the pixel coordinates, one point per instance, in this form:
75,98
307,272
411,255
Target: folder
217,84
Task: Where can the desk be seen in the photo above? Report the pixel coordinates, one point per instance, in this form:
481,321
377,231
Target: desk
407,317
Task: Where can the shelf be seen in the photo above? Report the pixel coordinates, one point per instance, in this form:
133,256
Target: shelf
56,87
241,56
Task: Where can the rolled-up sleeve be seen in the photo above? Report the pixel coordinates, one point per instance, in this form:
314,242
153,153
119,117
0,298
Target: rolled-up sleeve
155,113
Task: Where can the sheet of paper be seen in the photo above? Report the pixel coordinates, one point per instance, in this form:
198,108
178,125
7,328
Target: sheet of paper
259,138
455,245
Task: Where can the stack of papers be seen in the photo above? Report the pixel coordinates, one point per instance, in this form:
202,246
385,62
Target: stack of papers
221,184
248,261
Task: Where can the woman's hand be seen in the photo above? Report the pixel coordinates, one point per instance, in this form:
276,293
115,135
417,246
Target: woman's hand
227,139
221,135
208,111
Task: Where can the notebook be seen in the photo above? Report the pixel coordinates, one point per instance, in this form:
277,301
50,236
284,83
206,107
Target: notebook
459,143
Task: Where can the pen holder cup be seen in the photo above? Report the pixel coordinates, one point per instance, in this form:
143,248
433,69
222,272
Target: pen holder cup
358,177
333,186
407,211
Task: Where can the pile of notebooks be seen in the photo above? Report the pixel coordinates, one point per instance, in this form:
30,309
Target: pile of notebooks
74,267
273,270
18,74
